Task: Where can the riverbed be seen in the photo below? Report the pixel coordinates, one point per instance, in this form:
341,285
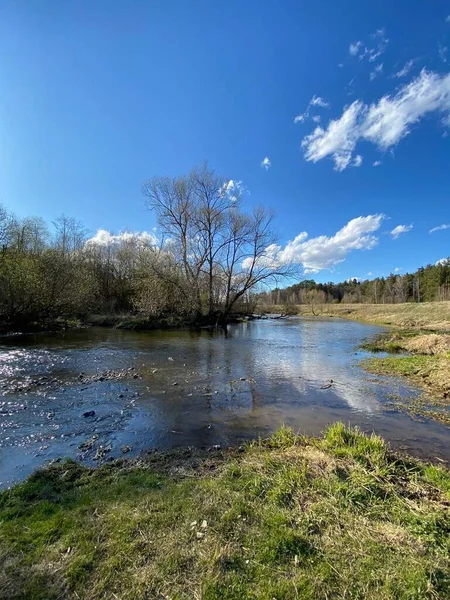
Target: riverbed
98,394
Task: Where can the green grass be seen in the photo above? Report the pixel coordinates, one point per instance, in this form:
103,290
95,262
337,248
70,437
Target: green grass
288,517
430,372
427,365
406,366
382,345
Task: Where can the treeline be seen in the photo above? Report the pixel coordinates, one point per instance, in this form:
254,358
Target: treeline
427,284
207,259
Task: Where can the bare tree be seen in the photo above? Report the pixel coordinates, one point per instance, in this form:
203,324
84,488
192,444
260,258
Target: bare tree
192,212
214,205
253,258
173,200
70,234
28,235
222,252
4,221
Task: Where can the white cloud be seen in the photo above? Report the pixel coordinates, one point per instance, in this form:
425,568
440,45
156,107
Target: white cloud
400,229
439,228
447,19
355,48
383,123
406,69
325,252
316,101
390,119
370,273
377,71
338,140
107,239
233,189
443,51
443,262
398,269
380,37
376,163
316,118
300,118
265,163
357,161
362,51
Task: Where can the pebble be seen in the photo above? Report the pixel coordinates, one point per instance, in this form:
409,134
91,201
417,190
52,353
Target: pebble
89,413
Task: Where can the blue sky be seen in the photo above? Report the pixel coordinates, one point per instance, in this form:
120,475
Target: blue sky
96,97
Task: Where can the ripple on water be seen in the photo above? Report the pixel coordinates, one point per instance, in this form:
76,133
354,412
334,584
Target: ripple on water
195,388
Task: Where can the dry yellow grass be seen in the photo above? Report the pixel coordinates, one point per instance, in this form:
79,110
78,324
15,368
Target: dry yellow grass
426,315
431,343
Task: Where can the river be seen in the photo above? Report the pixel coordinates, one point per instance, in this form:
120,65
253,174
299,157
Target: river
160,389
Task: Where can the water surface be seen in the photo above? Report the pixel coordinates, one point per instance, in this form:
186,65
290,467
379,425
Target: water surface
198,388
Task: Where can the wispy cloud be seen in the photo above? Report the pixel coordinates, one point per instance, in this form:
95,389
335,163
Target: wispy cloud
338,140
398,269
406,69
439,228
316,101
301,118
354,48
233,189
325,252
376,163
383,123
372,51
357,161
400,229
376,72
265,163
443,53
447,19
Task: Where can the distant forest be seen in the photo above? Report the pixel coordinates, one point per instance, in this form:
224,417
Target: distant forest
427,284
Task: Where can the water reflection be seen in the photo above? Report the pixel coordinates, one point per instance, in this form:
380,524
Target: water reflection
191,387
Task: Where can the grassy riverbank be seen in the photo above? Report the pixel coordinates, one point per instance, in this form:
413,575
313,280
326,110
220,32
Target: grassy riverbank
421,330
427,365
336,517
433,316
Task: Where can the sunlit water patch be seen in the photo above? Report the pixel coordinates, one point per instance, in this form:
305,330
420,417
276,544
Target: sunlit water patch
101,393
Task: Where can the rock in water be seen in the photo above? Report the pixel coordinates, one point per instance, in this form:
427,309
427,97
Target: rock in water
89,413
